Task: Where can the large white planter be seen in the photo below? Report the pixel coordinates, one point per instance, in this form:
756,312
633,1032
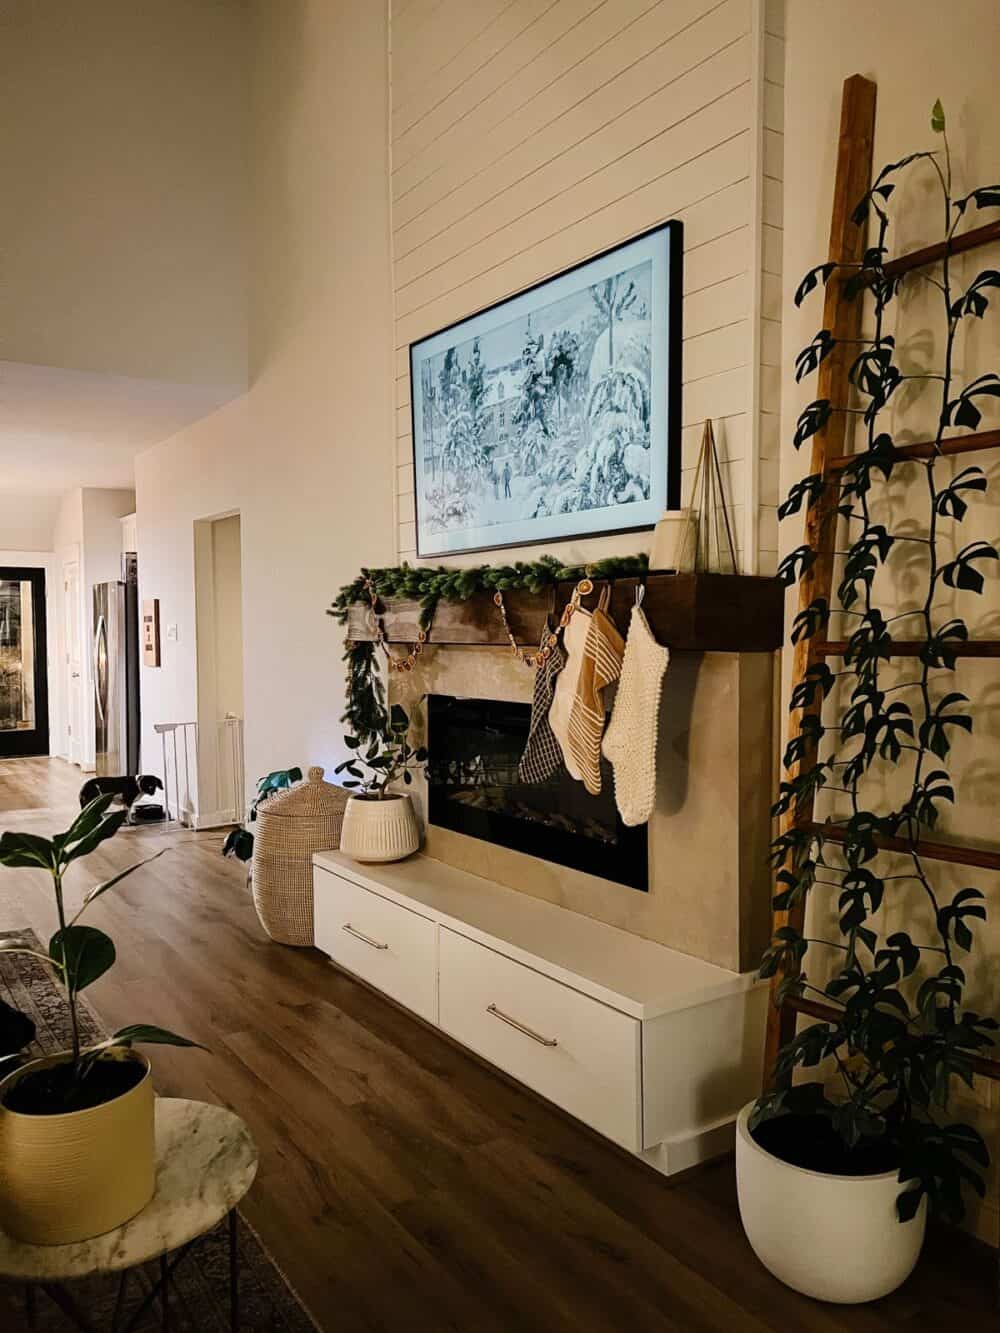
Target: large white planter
68,1177
375,831
836,1238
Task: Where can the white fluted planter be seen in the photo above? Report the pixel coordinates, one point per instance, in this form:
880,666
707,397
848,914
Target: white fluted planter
375,831
68,1177
836,1238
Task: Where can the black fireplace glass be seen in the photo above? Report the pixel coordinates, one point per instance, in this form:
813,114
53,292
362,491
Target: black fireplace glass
475,746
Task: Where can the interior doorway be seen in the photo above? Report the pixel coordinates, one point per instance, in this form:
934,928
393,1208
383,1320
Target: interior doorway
24,690
219,622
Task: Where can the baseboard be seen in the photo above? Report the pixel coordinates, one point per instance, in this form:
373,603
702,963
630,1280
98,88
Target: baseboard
684,1151
209,819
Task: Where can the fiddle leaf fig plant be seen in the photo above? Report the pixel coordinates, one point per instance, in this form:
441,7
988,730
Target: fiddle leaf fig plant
901,1033
79,954
387,757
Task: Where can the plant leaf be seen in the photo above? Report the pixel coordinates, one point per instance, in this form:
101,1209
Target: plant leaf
107,828
820,274
83,953
812,418
86,821
810,358
148,1034
26,849
986,196
795,565
972,301
808,490
962,573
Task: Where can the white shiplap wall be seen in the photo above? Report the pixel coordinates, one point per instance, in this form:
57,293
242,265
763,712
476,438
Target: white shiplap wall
529,134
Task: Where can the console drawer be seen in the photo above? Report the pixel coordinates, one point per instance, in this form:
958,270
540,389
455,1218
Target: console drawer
577,1052
386,945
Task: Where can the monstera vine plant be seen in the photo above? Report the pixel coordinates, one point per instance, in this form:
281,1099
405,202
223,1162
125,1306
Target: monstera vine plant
902,1032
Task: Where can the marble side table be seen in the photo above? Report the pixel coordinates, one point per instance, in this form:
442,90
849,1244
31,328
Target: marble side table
205,1163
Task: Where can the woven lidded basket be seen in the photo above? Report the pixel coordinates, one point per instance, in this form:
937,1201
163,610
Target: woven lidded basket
291,825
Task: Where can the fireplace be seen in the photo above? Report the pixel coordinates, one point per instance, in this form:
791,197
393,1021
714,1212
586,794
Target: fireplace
473,788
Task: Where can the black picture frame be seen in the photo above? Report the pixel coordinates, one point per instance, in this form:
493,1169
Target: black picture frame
665,481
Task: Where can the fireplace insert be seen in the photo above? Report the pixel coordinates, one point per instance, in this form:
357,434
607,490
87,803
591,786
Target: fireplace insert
475,746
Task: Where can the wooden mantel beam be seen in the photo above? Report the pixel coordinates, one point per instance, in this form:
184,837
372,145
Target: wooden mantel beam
687,612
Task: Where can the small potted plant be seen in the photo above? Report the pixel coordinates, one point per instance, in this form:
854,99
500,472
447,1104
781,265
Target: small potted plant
76,1129
379,824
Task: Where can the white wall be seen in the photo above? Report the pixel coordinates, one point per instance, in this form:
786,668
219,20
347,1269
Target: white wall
306,455
227,572
126,252
216,789
528,136
914,54
27,519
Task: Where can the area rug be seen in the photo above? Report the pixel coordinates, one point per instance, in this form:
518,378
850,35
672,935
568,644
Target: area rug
199,1298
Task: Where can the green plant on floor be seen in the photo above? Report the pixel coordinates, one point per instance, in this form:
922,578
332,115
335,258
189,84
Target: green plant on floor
239,842
79,954
901,1034
383,759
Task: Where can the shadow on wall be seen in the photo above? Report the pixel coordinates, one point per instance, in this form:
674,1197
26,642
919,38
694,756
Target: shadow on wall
673,760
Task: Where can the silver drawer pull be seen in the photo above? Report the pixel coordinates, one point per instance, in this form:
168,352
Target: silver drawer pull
366,938
506,1018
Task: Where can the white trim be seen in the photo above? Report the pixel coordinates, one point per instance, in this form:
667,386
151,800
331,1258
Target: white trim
751,469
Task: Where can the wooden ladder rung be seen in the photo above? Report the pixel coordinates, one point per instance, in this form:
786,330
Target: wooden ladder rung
934,851
829,1013
957,245
914,647
959,444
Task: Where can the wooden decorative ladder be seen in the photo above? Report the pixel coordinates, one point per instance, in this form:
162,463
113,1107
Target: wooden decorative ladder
829,458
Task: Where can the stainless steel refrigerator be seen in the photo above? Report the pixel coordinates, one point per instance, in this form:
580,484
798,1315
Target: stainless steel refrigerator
116,678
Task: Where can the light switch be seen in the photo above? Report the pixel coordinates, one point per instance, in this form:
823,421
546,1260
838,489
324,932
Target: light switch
172,632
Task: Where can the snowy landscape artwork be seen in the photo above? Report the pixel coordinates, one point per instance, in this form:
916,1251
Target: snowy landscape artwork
554,414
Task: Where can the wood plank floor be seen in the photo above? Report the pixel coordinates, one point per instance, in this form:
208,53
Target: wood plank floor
404,1185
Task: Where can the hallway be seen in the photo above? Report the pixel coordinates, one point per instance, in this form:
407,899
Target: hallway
403,1185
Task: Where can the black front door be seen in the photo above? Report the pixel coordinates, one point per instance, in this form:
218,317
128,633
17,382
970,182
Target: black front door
24,690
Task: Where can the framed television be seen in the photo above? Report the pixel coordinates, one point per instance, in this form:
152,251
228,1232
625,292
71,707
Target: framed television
554,414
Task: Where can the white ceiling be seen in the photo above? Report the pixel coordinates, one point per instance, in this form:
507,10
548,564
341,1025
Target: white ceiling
60,429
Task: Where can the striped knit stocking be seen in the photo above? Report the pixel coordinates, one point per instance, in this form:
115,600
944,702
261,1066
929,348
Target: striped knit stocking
602,660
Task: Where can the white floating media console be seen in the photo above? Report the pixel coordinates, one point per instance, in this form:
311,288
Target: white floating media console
654,1049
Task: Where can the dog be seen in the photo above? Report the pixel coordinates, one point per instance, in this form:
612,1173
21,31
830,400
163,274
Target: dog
127,789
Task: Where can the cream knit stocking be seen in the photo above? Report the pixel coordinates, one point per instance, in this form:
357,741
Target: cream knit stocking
630,740
573,644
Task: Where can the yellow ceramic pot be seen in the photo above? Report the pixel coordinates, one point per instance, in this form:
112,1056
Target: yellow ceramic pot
68,1177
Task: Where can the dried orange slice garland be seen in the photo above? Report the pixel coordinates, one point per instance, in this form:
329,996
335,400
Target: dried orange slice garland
542,655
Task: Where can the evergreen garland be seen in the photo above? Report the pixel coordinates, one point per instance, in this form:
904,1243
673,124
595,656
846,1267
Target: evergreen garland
365,715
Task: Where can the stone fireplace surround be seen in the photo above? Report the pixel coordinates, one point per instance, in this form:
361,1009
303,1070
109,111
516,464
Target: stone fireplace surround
709,882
